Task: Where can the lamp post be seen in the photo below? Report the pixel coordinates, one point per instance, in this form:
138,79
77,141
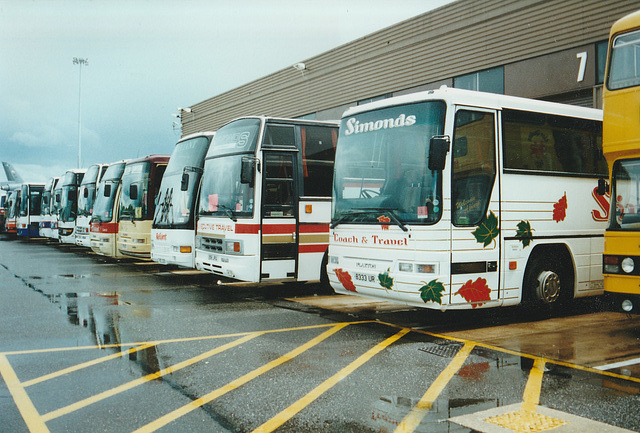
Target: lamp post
80,61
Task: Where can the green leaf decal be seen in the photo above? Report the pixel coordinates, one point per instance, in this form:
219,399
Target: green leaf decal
524,233
487,230
385,280
432,291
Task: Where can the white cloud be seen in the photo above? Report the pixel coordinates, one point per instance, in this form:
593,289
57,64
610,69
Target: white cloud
39,136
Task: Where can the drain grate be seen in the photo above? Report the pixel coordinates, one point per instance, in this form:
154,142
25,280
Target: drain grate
442,348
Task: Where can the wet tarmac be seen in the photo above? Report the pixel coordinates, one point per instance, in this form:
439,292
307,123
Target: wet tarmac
91,344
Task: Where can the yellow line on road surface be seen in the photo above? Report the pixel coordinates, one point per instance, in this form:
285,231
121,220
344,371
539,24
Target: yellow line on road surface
179,340
129,385
531,396
35,423
84,365
171,416
415,416
305,401
522,354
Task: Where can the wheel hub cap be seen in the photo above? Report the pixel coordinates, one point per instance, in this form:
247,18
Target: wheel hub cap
548,287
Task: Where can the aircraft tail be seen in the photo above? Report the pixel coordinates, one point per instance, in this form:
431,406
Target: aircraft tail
11,173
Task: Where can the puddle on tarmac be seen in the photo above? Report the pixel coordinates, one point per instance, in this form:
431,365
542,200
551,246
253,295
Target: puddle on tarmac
388,413
92,311
64,276
73,276
99,313
147,359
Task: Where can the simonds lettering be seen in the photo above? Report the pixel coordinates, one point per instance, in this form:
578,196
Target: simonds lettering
354,126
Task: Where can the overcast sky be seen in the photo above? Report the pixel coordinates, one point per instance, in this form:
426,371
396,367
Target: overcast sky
146,58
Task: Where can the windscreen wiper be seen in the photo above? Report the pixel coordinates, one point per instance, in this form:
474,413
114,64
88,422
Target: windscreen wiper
369,210
228,212
345,216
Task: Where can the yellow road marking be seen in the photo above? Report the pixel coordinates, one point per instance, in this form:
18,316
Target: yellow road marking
521,354
305,401
179,340
31,417
84,365
415,416
171,416
36,422
531,396
132,384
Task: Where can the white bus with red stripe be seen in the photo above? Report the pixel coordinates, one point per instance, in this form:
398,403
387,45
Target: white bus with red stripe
104,219
265,200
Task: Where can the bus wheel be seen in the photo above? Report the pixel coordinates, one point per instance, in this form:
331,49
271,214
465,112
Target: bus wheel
547,280
324,287
548,289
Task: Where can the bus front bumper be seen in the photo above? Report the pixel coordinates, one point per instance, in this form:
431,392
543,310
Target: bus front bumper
243,268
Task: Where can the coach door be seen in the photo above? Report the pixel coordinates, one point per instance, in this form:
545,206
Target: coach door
475,208
279,216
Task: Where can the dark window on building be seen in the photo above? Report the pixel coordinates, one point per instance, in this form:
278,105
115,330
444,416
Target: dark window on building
489,80
375,98
601,60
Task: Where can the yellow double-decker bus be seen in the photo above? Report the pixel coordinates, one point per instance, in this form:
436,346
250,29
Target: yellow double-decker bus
621,147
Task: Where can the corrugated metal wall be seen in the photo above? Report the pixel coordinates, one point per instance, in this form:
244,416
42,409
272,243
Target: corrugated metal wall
462,37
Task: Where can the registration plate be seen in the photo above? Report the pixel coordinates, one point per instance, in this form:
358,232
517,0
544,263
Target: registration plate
365,278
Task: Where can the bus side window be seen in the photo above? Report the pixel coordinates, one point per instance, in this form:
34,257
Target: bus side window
318,154
474,166
278,185
548,143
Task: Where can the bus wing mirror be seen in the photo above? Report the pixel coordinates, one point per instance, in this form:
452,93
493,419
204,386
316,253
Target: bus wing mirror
247,170
438,149
184,183
603,187
107,190
133,191
85,192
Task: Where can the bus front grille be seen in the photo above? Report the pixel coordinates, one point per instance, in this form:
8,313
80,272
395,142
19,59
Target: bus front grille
211,244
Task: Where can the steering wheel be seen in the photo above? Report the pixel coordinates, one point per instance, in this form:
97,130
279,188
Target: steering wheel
369,193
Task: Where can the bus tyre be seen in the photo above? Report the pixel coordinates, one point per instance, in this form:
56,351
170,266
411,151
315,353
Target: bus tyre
547,280
325,287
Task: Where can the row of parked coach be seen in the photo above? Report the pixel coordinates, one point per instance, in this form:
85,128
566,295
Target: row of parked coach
258,191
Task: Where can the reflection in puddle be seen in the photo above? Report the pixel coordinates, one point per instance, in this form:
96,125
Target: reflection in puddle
388,413
480,368
73,276
99,313
147,359
92,311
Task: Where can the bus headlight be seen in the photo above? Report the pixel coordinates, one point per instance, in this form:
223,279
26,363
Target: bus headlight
627,265
420,268
232,247
405,267
65,231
